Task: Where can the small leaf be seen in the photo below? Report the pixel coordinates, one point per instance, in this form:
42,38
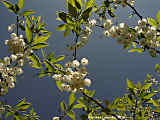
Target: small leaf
61,27
63,16
78,3
21,102
63,106
43,53
41,39
148,96
78,106
89,4
129,84
38,46
8,5
146,86
60,58
139,50
67,31
72,10
20,4
27,12
8,114
35,60
158,17
58,83
86,13
152,22
71,99
28,33
71,114
107,106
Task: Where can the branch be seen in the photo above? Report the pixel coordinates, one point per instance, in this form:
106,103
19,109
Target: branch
103,109
135,11
75,50
17,23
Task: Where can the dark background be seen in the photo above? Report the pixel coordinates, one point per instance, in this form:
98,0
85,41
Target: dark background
109,64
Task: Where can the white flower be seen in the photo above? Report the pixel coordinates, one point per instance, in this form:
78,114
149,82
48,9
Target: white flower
84,61
106,33
55,118
122,25
13,57
11,85
107,23
6,42
75,63
21,36
10,29
19,71
57,77
13,35
21,62
87,82
7,60
92,22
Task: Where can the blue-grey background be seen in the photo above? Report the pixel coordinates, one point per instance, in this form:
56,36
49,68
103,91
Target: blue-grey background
109,64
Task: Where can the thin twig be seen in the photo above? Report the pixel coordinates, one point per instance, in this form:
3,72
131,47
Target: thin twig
135,11
17,24
103,109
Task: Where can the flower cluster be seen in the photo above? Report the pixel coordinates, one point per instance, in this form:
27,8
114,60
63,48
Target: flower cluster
146,34
75,77
15,44
7,74
12,65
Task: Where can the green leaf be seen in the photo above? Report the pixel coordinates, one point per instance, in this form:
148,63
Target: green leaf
41,39
24,107
8,5
43,53
86,13
72,10
146,86
20,4
28,32
89,4
63,16
71,99
157,110
158,17
152,22
78,3
8,114
61,27
139,50
42,73
67,31
107,106
158,38
27,12
148,96
130,84
155,103
60,58
58,83
21,102
38,46
63,106
49,66
71,114
78,106
35,60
